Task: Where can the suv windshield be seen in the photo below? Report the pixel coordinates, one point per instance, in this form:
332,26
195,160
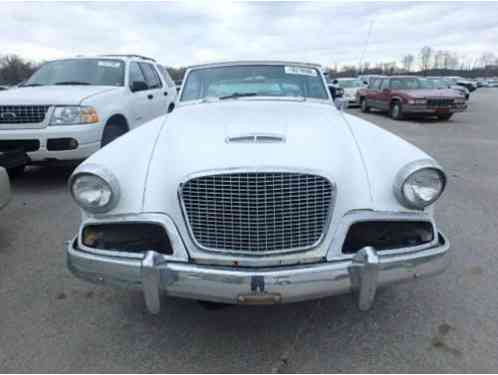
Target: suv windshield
410,84
232,82
97,72
349,83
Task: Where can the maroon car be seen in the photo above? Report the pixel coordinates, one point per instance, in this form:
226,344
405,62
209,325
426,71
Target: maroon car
405,95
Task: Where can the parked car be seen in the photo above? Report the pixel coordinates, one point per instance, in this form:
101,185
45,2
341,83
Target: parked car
493,83
469,85
368,78
70,108
407,95
4,188
257,190
350,87
444,83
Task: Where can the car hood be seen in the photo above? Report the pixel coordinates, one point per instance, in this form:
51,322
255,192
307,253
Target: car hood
351,91
429,93
51,95
196,139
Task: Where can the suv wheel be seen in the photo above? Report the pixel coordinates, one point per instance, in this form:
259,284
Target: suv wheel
396,111
363,104
445,117
16,171
111,132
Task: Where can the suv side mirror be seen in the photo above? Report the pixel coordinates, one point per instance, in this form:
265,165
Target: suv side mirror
138,86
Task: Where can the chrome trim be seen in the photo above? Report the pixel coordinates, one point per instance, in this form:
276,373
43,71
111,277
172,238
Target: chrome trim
362,276
256,138
409,169
326,226
106,175
179,250
354,217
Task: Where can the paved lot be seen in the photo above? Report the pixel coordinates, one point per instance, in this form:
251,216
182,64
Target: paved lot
50,321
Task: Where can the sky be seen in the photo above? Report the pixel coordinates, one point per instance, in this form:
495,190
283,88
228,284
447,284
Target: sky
189,33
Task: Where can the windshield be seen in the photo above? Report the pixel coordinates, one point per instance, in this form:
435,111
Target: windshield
410,84
95,72
231,82
349,83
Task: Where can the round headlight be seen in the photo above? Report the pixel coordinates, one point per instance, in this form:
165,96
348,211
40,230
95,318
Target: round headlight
94,189
420,184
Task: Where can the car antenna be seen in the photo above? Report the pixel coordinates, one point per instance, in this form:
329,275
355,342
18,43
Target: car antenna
370,27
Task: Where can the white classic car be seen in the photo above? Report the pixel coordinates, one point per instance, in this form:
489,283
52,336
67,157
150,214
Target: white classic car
4,187
257,190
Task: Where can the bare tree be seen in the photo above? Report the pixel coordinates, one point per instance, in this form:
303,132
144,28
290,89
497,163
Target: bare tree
13,69
407,62
425,56
439,57
487,59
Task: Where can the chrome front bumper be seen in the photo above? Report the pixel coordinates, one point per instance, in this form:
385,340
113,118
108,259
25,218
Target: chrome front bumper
362,274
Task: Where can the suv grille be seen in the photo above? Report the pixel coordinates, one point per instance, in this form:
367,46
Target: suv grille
257,212
22,114
435,103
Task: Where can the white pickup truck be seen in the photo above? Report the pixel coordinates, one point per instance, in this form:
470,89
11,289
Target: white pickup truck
70,108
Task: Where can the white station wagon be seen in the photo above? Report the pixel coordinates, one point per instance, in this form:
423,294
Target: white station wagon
257,190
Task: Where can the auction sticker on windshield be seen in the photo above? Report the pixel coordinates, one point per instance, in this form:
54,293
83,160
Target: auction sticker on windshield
300,70
109,64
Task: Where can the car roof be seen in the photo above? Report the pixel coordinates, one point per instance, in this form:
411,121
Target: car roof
254,62
110,57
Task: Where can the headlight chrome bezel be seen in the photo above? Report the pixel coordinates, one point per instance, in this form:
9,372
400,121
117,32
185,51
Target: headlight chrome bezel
106,176
409,170
82,115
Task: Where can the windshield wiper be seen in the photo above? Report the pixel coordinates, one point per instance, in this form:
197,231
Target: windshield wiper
72,83
237,95
32,85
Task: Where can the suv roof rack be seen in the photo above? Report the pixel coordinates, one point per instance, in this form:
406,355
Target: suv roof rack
131,56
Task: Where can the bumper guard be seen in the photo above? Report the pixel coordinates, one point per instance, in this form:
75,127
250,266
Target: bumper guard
361,274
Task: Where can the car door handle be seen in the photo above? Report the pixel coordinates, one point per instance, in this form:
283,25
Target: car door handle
150,96
165,93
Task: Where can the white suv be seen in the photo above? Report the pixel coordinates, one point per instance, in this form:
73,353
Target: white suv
70,108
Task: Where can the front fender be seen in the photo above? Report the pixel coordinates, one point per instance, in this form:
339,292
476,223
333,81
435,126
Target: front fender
383,155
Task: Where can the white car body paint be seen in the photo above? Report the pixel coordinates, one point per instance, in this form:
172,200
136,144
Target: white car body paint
4,188
108,101
353,153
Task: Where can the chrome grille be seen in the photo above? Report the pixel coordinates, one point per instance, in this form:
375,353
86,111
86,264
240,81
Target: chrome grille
257,212
22,114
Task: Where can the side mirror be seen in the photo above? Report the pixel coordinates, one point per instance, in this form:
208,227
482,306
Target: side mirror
335,82
138,86
365,83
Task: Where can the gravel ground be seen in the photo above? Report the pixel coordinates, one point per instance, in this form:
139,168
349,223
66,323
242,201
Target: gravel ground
50,321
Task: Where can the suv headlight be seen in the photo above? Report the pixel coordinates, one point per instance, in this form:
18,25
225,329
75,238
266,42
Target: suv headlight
73,115
419,184
94,188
